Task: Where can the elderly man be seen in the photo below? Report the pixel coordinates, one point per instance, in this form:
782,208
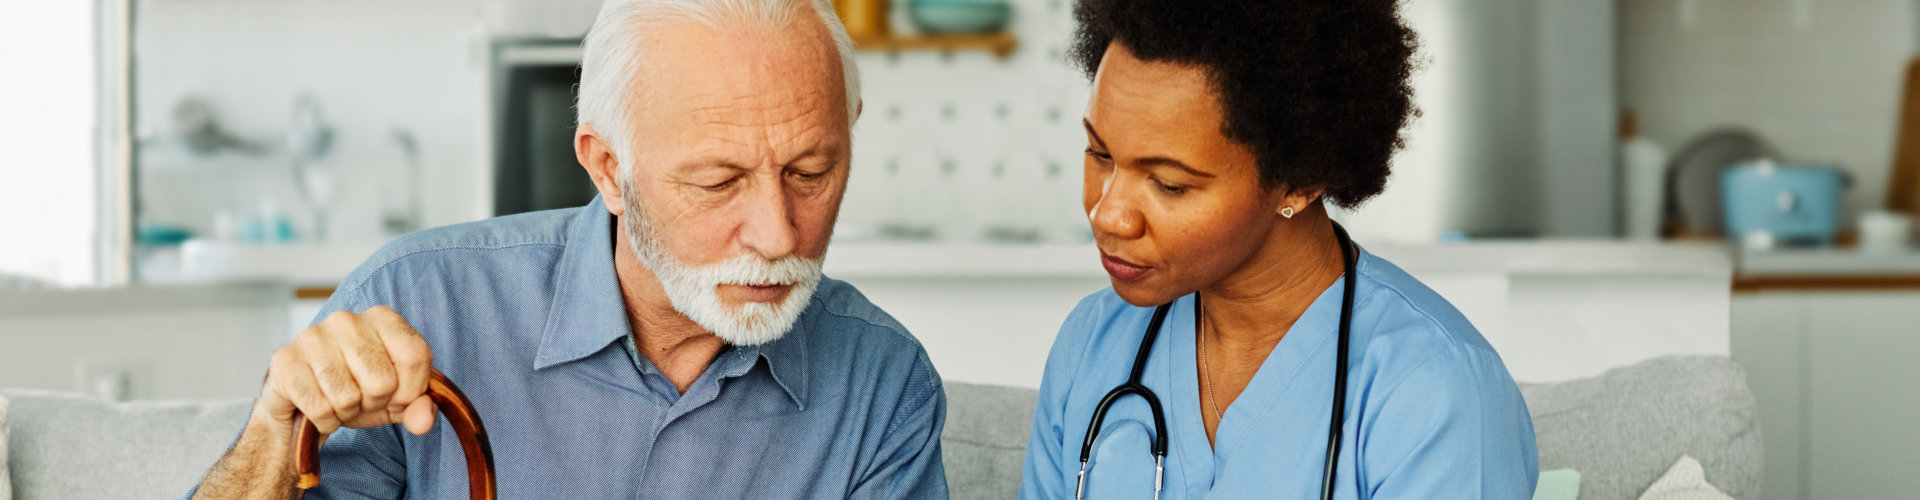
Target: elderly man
672,339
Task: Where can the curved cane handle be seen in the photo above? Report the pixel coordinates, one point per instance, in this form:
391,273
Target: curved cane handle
452,403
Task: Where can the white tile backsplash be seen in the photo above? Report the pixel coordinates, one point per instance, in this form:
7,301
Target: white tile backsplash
971,145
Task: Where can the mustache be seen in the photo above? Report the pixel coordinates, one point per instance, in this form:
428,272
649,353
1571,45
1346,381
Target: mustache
754,270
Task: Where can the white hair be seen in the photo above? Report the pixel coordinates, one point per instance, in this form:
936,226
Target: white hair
608,58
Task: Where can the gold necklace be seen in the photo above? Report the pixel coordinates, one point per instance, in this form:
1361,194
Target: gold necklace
1205,367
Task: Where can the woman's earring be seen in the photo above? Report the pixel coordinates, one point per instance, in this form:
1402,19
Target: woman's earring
1286,212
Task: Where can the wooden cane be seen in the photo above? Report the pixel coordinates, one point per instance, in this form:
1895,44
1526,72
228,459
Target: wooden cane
452,403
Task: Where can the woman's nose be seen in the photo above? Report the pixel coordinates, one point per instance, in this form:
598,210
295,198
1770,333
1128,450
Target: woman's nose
1113,213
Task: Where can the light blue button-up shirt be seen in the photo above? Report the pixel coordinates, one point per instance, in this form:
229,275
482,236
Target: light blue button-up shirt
525,314
1431,411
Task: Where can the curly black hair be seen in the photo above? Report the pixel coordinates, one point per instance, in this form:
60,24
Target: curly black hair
1317,89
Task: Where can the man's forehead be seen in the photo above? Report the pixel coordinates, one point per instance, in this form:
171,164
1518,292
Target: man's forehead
685,53
688,70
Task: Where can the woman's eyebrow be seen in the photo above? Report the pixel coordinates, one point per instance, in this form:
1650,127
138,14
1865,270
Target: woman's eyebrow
1151,161
1162,161
1091,133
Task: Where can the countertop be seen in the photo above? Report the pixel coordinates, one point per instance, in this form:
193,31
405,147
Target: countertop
1826,269
315,269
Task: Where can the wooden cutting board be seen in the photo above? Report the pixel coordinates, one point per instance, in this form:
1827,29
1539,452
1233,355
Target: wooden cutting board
1903,193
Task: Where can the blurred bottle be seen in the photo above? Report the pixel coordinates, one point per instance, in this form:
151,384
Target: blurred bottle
863,18
1644,168
268,225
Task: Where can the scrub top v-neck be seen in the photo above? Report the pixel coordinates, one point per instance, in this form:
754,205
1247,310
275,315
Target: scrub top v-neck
1431,410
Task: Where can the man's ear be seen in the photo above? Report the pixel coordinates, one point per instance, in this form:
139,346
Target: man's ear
601,164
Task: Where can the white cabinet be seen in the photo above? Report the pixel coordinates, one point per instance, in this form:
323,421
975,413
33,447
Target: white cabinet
1834,374
203,341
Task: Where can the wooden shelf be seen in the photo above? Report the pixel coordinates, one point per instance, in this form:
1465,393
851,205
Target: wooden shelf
1000,44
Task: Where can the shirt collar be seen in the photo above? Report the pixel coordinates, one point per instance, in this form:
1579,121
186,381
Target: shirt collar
588,314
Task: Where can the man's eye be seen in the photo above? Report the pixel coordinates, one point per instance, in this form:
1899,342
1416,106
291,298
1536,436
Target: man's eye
1171,189
721,186
1097,155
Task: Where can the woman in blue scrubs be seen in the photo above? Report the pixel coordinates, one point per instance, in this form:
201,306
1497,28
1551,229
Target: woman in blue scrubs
1216,132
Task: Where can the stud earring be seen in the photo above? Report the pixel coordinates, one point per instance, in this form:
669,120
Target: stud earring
1286,212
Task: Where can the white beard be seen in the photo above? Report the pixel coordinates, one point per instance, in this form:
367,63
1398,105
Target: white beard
695,291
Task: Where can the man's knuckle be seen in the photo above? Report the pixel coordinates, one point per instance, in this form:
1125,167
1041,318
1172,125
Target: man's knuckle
381,387
344,397
338,319
410,358
315,409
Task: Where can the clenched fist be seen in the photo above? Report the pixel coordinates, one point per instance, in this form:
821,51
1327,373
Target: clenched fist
352,370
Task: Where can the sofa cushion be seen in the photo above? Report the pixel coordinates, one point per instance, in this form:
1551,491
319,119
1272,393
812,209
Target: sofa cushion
67,445
6,481
1624,428
984,446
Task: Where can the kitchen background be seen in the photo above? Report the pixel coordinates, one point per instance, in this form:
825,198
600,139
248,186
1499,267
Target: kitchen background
211,168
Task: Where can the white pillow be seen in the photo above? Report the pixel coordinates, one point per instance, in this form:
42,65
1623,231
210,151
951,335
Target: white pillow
1685,481
6,480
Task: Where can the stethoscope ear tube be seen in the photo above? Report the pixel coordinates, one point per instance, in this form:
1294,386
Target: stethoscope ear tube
1338,415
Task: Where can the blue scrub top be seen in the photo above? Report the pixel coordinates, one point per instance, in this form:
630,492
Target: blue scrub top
1431,411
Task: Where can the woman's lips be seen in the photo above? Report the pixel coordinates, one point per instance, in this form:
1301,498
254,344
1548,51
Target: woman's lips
1122,270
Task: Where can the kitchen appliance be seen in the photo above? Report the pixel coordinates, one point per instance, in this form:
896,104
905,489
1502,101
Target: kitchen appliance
1768,204
532,137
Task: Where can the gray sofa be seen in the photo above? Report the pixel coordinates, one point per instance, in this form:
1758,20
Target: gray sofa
1621,430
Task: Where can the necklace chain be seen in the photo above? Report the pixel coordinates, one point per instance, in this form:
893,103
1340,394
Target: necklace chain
1207,367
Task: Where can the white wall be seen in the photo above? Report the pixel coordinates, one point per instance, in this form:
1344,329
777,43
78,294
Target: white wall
47,168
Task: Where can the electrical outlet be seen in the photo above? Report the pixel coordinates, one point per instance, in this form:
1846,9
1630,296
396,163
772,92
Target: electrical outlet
113,380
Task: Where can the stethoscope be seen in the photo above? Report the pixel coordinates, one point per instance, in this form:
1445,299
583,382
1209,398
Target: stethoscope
1133,386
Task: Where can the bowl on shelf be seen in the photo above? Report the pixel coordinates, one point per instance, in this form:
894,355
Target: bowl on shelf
959,17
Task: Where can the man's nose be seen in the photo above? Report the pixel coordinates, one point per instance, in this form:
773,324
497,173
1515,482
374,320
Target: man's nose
768,229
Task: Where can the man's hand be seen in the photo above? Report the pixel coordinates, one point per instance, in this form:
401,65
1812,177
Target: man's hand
352,370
